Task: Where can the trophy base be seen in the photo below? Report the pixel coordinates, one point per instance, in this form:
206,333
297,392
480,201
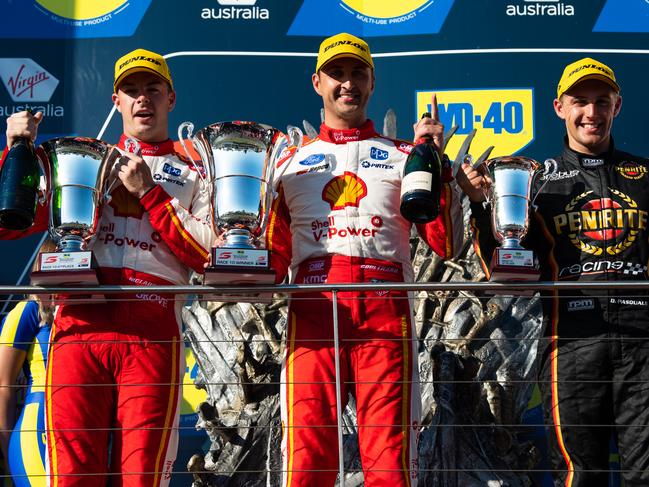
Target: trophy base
514,265
73,269
235,276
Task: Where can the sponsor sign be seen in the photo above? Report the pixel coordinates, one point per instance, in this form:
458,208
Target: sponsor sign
368,19
56,19
504,118
63,261
192,396
235,10
623,16
29,86
540,8
241,257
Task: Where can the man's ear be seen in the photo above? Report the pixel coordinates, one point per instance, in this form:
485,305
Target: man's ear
315,80
115,99
559,108
618,106
172,100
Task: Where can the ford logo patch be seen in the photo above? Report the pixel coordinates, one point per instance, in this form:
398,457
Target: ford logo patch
312,160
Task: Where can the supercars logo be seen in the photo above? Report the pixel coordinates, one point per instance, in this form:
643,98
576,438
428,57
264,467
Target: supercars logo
631,170
343,191
623,16
72,18
601,225
367,19
504,118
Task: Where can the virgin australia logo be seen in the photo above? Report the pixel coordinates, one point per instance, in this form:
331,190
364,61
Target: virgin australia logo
26,81
235,9
540,8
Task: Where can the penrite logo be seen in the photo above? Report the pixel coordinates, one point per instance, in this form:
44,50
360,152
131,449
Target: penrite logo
504,117
623,16
540,8
55,19
30,85
235,10
370,18
602,226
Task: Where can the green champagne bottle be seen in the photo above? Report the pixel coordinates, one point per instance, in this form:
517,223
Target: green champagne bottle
421,183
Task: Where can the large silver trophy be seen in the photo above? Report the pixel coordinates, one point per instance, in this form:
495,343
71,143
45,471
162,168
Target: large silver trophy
78,185
513,180
238,160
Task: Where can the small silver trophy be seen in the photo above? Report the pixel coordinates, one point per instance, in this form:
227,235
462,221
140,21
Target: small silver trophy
77,187
513,179
238,160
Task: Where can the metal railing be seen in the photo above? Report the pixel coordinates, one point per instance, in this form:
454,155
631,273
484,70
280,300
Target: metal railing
487,290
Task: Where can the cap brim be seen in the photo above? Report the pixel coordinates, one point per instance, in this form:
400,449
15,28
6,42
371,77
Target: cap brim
138,69
598,77
342,55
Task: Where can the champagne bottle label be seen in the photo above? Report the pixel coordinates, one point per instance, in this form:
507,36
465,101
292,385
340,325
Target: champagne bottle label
416,181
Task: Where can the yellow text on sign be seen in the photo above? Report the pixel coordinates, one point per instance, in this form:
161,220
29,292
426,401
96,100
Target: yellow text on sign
503,118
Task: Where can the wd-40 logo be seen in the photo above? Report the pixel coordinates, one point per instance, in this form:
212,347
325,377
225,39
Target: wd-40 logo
623,16
540,8
345,190
367,19
503,118
601,226
72,18
235,9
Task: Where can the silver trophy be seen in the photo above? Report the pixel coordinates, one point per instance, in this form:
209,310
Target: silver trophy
78,185
238,160
511,197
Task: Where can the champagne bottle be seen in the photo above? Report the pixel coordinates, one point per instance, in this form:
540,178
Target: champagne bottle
19,179
421,184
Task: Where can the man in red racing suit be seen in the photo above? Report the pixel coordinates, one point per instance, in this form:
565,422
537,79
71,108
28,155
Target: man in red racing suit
590,224
115,367
336,220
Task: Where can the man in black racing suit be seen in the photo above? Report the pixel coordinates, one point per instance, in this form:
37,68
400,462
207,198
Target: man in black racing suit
590,224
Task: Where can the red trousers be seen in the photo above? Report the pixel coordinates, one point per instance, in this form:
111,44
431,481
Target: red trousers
378,360
113,377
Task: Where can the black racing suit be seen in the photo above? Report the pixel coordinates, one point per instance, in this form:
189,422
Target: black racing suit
590,224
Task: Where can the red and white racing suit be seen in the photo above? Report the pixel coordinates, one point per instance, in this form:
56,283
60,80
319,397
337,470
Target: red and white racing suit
336,220
115,367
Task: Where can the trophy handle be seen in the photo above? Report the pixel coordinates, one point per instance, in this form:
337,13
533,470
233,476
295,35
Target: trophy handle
550,168
190,130
295,137
44,192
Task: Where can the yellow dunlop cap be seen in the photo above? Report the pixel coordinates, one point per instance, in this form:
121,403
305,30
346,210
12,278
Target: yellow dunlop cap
141,60
343,45
586,68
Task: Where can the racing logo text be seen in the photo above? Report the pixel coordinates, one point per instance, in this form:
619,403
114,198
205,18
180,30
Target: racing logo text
601,225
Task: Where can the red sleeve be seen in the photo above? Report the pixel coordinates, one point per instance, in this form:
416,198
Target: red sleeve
278,236
180,230
445,233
